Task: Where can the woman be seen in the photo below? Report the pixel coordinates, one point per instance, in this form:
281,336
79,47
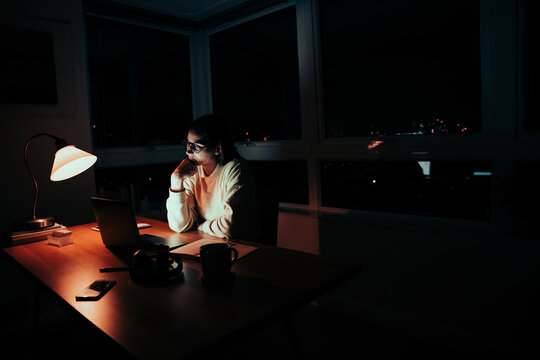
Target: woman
213,190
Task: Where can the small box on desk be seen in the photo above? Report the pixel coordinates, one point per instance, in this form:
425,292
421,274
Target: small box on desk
60,237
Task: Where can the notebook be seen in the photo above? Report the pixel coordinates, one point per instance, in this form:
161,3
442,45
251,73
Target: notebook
118,228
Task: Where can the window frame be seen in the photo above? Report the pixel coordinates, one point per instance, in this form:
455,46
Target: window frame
502,140
497,27
112,157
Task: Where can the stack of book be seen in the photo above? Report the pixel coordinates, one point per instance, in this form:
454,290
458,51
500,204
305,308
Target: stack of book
28,236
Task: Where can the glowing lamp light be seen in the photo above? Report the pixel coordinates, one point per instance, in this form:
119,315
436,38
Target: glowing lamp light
69,161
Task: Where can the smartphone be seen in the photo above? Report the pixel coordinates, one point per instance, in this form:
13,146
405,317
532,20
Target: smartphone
95,290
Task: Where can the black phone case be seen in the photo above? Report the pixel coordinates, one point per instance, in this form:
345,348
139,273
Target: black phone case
91,293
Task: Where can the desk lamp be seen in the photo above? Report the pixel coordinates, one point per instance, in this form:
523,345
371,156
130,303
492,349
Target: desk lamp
68,162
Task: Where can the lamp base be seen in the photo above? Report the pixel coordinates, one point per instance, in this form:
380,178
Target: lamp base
35,224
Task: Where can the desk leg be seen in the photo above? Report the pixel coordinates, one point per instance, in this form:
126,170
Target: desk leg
35,324
293,337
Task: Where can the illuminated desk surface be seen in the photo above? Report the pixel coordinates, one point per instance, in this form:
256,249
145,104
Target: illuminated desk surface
180,319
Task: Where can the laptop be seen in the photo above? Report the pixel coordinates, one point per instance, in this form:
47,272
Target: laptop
118,228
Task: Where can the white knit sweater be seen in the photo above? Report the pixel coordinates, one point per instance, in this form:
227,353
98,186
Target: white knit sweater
222,204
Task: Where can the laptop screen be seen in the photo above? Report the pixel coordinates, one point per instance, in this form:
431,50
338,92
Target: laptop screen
117,223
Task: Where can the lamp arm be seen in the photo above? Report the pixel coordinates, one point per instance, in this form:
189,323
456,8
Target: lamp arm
59,143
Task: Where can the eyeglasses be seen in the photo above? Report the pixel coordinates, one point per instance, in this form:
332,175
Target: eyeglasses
193,146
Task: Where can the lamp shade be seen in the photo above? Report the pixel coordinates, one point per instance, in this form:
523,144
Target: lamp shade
70,161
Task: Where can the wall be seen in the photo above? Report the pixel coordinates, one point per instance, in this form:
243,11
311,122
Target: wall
67,200
298,232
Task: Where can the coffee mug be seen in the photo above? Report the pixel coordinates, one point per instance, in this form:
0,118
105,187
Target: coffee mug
216,261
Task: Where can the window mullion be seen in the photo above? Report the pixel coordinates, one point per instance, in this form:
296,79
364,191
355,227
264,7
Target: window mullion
201,79
308,94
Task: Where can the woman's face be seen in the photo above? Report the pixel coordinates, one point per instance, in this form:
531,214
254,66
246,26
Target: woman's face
205,156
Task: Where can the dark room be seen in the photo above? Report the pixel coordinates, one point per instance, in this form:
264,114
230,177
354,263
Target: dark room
270,179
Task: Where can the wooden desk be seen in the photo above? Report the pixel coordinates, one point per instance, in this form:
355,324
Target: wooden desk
179,320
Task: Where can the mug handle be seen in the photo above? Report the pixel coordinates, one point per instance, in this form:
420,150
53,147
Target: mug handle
235,252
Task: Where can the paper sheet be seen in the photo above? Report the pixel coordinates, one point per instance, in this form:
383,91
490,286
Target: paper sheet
192,249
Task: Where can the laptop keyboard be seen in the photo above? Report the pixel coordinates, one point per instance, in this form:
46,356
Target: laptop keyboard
151,242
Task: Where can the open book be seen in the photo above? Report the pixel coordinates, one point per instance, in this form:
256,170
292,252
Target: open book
192,249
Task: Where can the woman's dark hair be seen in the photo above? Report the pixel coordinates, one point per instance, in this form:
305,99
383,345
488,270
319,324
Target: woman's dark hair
214,133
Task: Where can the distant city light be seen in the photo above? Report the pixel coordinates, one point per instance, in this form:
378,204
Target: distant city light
434,126
482,173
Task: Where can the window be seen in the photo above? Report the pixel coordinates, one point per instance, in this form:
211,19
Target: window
145,187
255,82
400,67
532,70
140,84
429,188
286,179
361,69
